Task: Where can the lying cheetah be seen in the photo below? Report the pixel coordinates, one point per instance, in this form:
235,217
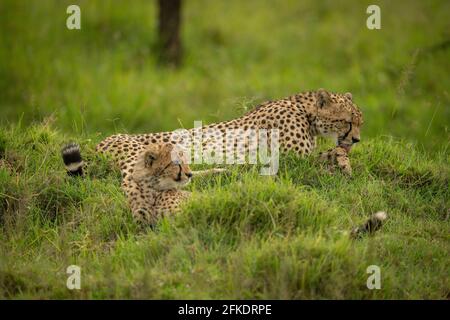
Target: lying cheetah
156,179
299,118
152,179
153,187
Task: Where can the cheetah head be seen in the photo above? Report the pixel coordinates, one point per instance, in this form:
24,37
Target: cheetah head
162,167
338,117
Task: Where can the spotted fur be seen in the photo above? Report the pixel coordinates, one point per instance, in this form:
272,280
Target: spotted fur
337,157
153,183
152,178
299,118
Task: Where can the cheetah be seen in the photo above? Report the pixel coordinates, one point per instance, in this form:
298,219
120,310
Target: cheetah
153,183
152,176
299,118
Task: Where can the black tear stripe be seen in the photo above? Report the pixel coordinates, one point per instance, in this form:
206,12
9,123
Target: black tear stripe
179,174
348,132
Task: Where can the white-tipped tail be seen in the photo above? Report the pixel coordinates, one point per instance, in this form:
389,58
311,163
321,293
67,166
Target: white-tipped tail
72,159
381,215
373,224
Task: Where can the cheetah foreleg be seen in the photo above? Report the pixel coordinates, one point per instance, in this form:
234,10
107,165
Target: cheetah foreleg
337,157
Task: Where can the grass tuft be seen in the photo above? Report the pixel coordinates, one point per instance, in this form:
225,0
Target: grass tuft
241,235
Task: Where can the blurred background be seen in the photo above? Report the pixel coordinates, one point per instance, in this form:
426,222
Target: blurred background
114,75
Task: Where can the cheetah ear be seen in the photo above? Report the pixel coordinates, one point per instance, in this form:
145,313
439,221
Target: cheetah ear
167,147
149,158
150,155
349,96
323,98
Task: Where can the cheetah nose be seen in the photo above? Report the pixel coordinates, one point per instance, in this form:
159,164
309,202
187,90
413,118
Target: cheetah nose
355,140
189,174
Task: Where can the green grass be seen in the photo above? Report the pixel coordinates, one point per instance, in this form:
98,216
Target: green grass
104,78
242,235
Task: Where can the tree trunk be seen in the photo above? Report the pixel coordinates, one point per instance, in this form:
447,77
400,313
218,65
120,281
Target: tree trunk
169,32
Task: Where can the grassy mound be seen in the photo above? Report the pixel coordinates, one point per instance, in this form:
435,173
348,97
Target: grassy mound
241,235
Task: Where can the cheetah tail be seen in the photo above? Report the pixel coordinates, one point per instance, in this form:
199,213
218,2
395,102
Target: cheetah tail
373,224
71,156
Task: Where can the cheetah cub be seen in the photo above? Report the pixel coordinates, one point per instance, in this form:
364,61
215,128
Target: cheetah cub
152,183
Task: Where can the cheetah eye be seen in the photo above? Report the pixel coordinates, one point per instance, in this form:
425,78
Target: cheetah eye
149,160
176,162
